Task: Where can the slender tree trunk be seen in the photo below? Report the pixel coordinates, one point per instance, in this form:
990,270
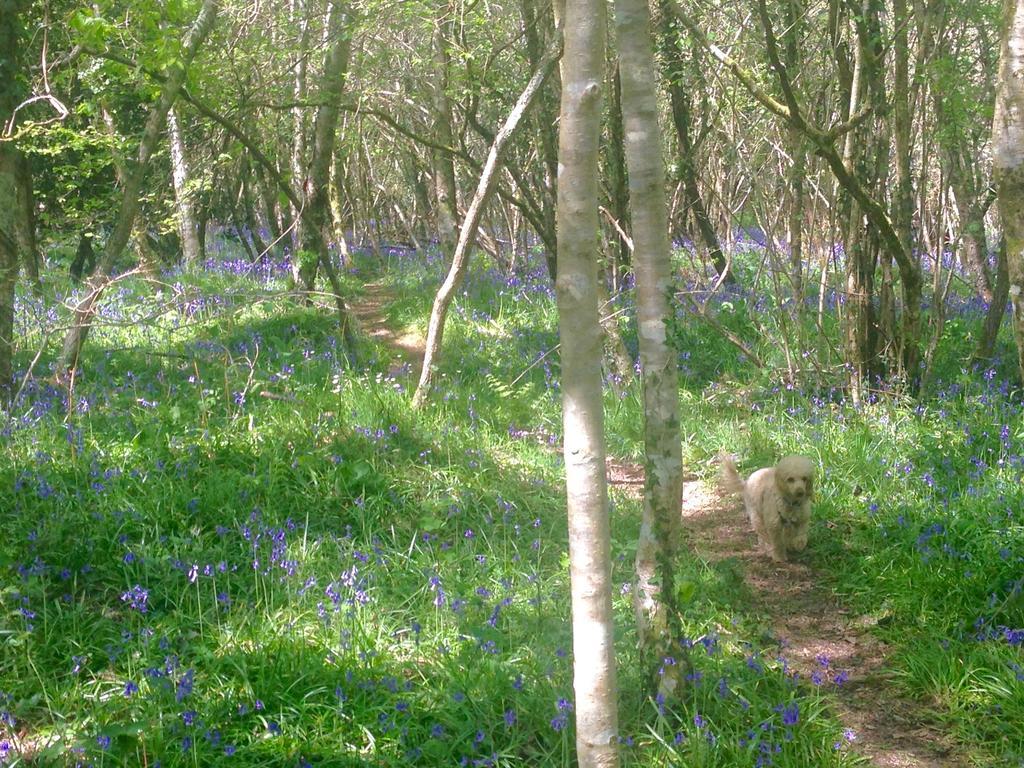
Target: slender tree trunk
11,46
654,599
25,220
1008,158
180,175
86,307
545,116
340,212
859,315
910,342
798,152
682,119
583,420
8,265
975,246
996,308
445,193
300,13
316,186
467,234
264,176
316,206
249,209
618,197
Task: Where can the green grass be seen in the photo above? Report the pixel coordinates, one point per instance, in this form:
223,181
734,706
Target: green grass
331,579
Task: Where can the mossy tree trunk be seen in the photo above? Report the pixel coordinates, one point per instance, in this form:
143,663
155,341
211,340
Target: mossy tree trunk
674,73
1008,159
655,603
317,230
11,45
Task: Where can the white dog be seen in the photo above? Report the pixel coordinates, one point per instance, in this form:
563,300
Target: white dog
778,502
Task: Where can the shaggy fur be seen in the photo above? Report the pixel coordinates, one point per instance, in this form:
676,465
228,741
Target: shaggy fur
778,502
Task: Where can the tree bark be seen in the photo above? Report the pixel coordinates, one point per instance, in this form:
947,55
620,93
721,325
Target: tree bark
545,116
25,220
654,598
798,152
300,13
467,233
996,308
1008,159
86,307
910,355
191,250
316,186
583,420
8,268
11,46
616,176
445,193
682,119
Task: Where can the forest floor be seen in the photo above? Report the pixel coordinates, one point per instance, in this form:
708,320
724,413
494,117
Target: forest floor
814,632
812,628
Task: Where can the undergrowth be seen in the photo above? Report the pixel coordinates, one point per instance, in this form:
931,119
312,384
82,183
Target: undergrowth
224,546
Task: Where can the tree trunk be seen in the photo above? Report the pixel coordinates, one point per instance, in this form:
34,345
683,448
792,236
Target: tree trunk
316,187
300,13
975,247
798,168
545,117
467,234
340,211
910,355
996,308
8,266
317,216
25,220
1008,158
654,598
445,193
682,119
618,197
583,420
859,326
86,307
180,175
11,45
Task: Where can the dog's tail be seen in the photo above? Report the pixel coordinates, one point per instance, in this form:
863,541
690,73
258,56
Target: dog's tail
729,478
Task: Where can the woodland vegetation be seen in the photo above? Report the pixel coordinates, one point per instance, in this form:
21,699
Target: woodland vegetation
324,325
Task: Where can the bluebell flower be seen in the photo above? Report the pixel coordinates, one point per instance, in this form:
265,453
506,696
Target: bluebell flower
791,714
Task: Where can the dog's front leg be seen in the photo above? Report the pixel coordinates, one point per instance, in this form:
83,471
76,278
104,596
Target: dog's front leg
777,544
799,541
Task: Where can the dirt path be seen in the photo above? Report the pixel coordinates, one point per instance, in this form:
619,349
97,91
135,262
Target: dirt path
370,310
816,634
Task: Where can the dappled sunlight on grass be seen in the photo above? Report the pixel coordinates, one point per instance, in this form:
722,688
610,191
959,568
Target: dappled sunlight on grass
224,546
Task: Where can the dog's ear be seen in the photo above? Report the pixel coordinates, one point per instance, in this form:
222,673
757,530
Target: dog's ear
810,485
